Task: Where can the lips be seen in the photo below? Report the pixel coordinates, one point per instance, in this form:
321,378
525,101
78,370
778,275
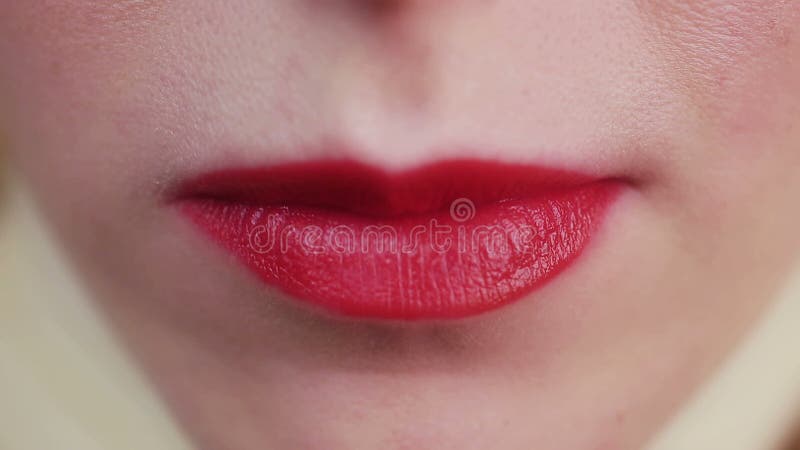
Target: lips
442,241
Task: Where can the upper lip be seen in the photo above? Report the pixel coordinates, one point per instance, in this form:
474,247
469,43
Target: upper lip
357,188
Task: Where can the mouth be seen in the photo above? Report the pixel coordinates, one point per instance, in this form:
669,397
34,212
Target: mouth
447,240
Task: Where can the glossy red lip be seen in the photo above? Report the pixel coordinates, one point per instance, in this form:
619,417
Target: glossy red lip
446,240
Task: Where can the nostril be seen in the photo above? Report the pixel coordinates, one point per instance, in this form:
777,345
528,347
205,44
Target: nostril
371,8
382,8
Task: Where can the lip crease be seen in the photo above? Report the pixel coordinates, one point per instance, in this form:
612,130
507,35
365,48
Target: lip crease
446,240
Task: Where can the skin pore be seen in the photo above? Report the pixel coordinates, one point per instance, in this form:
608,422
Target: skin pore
107,106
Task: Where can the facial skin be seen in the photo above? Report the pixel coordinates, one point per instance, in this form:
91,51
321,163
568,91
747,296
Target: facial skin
107,106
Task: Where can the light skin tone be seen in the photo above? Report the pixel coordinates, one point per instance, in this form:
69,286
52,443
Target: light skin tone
107,105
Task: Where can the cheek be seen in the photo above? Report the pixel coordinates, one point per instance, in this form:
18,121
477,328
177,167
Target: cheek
75,23
65,48
69,59
719,32
74,61
734,60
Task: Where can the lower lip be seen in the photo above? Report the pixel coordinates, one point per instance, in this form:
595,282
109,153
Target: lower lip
385,256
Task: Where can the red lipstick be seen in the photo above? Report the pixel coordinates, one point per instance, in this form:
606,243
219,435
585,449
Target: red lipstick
446,240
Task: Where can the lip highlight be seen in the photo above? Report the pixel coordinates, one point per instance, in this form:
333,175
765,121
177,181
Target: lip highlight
442,241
